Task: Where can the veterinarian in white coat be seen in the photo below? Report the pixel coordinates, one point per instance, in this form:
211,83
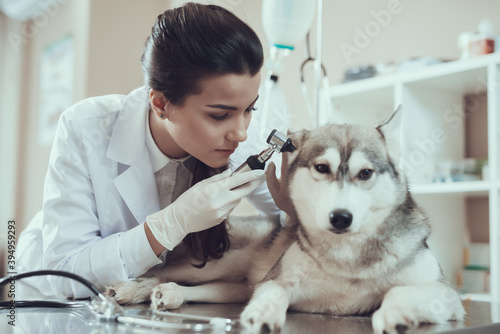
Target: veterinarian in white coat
118,192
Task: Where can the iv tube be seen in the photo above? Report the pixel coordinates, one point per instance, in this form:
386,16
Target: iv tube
275,113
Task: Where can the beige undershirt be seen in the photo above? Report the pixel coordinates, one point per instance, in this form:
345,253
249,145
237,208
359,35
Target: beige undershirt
172,177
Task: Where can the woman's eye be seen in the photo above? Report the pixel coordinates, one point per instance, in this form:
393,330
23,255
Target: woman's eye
322,168
365,174
220,117
251,109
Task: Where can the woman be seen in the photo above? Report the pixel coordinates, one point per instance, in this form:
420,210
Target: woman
132,177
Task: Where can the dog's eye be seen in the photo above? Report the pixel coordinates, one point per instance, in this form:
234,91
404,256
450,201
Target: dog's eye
322,168
365,174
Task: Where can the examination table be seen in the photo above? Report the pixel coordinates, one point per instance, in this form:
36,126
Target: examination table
482,317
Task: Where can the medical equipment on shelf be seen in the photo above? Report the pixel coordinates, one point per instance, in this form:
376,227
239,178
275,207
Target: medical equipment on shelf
277,141
107,309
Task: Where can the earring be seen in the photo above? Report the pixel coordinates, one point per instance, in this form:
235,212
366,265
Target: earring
162,116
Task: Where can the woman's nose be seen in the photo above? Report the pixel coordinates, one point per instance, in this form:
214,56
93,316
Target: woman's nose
238,132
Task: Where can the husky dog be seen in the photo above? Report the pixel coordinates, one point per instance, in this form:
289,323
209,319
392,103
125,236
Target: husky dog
355,244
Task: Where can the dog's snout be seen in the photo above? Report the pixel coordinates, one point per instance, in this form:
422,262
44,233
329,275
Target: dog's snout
340,219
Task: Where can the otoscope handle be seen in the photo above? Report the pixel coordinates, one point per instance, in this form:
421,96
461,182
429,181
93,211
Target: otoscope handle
278,142
252,163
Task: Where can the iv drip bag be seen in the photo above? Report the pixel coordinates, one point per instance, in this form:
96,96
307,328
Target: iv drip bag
286,22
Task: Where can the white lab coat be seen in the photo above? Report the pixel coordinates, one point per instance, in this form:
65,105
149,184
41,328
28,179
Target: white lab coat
99,188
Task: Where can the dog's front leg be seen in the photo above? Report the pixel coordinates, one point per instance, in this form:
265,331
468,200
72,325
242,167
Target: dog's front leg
132,292
168,296
407,306
267,308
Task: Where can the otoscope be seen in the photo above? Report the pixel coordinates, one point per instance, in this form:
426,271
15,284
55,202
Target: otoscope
277,141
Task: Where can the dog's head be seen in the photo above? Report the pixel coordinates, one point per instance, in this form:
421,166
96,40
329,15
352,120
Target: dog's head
345,178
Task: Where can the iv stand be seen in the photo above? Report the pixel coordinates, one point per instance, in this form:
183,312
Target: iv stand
317,61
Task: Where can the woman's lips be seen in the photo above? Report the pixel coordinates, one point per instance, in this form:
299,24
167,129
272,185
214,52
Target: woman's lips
226,151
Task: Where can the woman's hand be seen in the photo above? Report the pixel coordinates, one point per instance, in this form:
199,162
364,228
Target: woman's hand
202,206
278,187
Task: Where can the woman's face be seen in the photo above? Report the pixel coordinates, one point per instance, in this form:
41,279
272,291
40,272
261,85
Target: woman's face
210,125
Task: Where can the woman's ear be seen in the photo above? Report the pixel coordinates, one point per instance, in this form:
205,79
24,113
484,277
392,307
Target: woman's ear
158,103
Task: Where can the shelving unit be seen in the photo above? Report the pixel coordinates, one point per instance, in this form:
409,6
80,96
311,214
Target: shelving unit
434,129
479,188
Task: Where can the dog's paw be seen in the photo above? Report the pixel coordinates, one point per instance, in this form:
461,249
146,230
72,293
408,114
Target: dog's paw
394,320
124,292
132,292
166,296
404,308
262,314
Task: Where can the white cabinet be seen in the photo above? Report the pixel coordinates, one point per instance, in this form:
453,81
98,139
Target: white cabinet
437,121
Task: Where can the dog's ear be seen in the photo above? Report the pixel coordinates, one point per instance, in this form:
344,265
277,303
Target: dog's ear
297,139
391,131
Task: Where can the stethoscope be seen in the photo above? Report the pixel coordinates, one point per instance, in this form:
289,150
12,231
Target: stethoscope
104,308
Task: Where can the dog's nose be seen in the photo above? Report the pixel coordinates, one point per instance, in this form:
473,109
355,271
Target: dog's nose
340,219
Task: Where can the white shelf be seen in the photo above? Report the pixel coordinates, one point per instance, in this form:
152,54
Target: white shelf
464,69
477,297
363,86
472,187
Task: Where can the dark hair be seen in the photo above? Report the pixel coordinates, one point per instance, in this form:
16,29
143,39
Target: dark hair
189,44
194,42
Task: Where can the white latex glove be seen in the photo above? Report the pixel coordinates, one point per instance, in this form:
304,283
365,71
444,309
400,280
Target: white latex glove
202,206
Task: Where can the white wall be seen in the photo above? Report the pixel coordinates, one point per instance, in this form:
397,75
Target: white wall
116,39
10,78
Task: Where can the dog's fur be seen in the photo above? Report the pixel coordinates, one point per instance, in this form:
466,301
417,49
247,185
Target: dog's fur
323,261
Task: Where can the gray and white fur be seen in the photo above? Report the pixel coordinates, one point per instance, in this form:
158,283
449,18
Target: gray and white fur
356,244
